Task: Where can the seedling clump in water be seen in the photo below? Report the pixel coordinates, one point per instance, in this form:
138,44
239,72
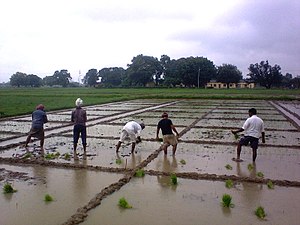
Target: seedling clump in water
124,204
183,161
48,198
229,167
226,201
7,188
174,179
270,185
260,212
139,173
118,161
260,175
229,183
250,167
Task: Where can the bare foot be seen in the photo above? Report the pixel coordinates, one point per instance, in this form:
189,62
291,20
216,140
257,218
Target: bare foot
237,160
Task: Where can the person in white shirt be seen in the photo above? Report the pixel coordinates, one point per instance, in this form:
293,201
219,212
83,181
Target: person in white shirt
131,130
254,129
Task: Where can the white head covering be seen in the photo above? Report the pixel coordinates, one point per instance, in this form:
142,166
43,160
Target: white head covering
78,102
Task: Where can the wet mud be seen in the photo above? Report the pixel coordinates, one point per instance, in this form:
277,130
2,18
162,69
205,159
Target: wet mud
205,148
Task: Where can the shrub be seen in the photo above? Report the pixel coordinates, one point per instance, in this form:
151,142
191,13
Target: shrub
260,212
7,188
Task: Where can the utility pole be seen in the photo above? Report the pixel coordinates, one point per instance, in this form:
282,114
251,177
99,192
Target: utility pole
198,76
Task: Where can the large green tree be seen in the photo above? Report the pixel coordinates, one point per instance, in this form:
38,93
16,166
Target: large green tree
142,70
228,73
91,77
34,81
111,77
190,72
265,74
18,79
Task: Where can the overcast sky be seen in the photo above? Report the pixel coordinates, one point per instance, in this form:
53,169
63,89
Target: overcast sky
41,36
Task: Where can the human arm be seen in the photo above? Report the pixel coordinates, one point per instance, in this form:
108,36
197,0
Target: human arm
157,132
237,131
174,129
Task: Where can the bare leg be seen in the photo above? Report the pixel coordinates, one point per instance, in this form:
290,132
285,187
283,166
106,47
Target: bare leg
254,150
238,153
84,151
132,147
27,140
165,147
174,149
75,154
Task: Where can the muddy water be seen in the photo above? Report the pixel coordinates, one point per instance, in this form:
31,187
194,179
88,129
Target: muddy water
204,151
156,201
69,188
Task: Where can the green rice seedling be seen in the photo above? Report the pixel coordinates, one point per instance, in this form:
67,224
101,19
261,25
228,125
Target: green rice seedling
27,155
229,167
260,175
118,161
174,179
48,198
270,185
52,155
182,161
250,167
260,212
236,136
124,204
67,156
229,183
139,173
7,188
227,201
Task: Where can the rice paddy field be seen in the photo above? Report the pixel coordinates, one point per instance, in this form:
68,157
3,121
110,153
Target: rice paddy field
187,188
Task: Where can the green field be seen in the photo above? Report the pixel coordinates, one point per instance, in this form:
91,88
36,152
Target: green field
19,101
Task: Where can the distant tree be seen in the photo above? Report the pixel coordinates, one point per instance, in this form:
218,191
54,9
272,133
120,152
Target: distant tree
264,74
91,77
286,80
295,82
34,81
63,77
111,77
18,79
228,73
49,81
190,72
142,70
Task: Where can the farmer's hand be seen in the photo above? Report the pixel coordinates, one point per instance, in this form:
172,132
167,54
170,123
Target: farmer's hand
234,131
138,139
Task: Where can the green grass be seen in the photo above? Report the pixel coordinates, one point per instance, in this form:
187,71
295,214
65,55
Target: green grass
229,183
20,101
229,167
174,179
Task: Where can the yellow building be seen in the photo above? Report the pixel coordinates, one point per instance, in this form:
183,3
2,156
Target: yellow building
241,84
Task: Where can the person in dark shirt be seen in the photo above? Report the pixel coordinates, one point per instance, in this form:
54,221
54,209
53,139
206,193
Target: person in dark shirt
39,117
79,119
167,128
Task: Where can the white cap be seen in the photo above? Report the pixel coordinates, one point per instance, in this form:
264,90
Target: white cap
78,102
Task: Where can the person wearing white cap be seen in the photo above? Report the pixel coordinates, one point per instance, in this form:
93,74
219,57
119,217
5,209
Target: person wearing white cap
79,119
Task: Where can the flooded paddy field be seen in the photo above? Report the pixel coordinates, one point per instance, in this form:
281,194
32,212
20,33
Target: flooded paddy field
87,191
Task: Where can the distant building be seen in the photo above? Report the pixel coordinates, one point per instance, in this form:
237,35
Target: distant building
241,84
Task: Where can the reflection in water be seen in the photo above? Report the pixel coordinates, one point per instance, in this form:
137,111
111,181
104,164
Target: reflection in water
80,181
125,163
167,166
251,191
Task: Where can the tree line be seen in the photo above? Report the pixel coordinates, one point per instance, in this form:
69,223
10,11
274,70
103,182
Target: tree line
165,72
